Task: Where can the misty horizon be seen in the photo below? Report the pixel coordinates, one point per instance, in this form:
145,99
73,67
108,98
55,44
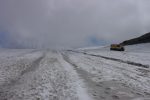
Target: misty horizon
71,24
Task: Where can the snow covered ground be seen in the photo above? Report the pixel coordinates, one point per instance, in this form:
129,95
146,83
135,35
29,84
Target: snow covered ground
135,53
83,74
38,75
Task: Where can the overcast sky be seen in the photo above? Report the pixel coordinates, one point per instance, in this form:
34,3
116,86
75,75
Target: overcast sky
71,23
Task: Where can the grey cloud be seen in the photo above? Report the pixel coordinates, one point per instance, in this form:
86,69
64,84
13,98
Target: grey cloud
70,23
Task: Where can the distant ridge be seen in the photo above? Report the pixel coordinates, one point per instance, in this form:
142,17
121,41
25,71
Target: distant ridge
142,39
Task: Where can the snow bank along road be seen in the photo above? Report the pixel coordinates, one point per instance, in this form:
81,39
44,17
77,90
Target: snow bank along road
67,75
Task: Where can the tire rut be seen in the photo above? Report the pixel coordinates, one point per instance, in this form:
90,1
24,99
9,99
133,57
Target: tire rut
33,66
105,90
115,59
102,90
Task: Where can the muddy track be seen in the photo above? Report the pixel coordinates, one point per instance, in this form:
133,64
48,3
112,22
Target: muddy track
115,59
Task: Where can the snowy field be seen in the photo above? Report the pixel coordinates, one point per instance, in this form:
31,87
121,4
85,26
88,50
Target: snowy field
83,74
135,53
38,75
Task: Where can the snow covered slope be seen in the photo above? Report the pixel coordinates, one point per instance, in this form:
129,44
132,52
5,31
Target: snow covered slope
144,48
134,53
38,75
129,70
84,74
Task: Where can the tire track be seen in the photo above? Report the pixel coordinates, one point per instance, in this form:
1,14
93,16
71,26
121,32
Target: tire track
105,90
4,88
114,59
93,90
33,66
